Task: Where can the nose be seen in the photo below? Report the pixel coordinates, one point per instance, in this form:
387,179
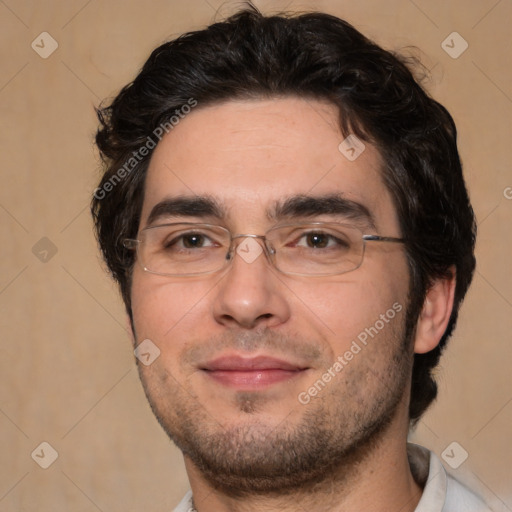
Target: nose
250,294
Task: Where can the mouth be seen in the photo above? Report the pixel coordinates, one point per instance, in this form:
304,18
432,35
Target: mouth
251,373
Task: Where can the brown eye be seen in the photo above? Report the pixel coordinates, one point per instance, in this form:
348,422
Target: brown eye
193,241
317,240
189,241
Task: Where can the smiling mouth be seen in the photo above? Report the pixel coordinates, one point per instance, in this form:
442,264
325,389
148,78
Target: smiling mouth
251,373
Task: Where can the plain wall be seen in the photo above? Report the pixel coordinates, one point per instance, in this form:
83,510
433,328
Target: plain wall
66,361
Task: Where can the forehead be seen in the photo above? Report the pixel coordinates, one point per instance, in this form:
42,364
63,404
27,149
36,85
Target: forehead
253,154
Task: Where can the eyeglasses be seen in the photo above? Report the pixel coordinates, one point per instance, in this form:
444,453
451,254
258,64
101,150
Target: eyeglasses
306,249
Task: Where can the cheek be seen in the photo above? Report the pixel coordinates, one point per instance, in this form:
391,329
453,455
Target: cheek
163,307
351,306
346,308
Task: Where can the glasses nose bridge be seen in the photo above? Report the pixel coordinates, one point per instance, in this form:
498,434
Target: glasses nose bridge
245,235
262,240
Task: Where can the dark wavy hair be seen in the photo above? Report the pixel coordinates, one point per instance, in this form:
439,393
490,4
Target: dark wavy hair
311,55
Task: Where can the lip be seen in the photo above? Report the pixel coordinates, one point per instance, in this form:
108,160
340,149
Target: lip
238,363
251,373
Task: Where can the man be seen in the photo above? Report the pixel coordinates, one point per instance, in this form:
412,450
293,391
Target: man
284,209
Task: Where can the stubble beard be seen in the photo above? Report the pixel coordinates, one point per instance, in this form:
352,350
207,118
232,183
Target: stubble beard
334,434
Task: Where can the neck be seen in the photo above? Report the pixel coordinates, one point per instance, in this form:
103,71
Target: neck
382,480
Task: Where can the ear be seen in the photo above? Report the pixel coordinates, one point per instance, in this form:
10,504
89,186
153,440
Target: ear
435,314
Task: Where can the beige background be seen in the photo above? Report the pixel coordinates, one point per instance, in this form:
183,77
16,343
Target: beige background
67,369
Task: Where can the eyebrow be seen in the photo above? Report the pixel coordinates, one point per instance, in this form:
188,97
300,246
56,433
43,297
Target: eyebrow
186,206
306,206
298,206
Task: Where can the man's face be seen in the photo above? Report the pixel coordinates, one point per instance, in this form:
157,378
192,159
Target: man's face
265,428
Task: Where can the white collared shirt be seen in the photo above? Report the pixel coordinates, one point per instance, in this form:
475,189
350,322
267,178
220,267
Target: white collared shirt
442,493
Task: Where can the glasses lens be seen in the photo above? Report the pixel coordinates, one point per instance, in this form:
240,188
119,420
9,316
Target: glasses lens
179,249
317,249
308,249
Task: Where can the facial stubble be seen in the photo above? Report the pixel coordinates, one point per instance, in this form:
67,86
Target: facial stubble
329,436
